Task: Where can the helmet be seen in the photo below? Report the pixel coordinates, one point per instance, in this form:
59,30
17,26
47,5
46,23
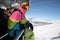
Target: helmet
2,7
25,5
3,4
7,3
13,4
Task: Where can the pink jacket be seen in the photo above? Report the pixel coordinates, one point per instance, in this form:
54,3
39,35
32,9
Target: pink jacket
16,15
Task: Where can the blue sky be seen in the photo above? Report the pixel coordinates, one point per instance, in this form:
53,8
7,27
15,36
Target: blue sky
46,9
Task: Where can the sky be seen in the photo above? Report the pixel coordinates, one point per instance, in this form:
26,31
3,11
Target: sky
46,9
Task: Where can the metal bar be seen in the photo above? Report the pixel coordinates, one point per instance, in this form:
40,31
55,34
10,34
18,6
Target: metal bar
4,36
20,34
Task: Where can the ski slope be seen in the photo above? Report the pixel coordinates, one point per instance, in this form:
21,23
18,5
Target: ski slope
47,32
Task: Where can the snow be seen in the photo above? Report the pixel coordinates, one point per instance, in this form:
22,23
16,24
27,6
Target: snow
47,32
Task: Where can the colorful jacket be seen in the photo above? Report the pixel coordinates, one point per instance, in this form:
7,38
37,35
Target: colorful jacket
17,17
23,12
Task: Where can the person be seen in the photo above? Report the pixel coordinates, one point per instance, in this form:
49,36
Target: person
16,19
18,16
13,22
25,24
25,7
3,22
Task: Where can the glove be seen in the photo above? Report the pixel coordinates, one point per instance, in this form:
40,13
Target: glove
29,25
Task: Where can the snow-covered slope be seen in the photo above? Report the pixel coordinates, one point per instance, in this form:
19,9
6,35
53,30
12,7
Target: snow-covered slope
47,32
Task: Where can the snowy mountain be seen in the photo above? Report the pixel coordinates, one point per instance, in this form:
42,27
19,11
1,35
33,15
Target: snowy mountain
39,21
